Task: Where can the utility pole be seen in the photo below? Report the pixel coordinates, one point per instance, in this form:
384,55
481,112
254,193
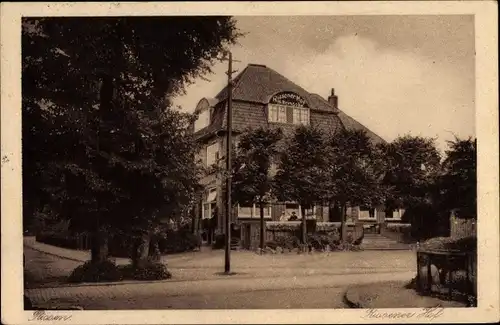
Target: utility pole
229,142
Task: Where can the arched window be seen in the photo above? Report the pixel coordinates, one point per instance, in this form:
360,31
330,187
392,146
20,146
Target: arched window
288,107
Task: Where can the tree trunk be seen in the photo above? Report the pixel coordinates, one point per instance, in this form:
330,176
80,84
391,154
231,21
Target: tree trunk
262,225
304,230
99,249
154,250
141,251
342,221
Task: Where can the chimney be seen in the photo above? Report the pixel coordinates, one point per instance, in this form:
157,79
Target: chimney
333,99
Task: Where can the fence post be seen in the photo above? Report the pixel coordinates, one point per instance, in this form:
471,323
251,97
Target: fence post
448,270
429,274
418,284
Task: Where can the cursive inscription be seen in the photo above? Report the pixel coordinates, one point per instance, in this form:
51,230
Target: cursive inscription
425,313
43,316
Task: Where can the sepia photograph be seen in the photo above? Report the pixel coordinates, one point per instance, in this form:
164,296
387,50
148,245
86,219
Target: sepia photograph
259,162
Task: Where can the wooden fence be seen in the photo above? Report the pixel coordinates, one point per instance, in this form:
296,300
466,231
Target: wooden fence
462,227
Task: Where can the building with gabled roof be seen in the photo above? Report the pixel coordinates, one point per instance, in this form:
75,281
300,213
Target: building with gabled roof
262,97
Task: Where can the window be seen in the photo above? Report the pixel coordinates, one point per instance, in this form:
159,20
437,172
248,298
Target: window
366,212
212,154
253,211
301,116
202,121
277,113
292,207
273,169
209,204
288,114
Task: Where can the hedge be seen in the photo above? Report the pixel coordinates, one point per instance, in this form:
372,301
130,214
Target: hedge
465,244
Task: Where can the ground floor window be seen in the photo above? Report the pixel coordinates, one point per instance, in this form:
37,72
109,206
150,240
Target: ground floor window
366,212
293,212
253,211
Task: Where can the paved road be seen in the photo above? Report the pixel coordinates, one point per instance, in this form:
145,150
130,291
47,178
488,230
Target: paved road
293,281
210,293
309,298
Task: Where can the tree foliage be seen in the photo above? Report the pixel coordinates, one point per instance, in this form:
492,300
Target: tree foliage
251,179
458,182
301,165
412,167
101,144
354,168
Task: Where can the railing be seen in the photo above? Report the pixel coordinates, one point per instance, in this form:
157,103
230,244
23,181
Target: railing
438,273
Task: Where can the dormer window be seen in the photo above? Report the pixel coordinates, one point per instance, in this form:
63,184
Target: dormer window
203,120
205,109
288,107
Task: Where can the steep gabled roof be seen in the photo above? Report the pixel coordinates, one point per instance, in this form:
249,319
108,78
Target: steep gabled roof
351,124
256,83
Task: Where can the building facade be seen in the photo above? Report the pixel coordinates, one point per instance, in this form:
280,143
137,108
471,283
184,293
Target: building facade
263,97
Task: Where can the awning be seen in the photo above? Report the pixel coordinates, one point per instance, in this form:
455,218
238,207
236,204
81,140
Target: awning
212,195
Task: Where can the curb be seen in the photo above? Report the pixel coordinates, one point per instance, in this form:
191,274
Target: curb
349,302
173,280
54,254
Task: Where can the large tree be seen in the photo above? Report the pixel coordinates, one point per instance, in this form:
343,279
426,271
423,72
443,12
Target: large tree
458,184
301,170
251,179
413,166
100,141
354,171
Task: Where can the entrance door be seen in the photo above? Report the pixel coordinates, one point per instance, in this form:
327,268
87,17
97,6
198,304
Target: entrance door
247,229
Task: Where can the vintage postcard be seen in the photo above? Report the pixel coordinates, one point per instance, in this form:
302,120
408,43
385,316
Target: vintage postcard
250,162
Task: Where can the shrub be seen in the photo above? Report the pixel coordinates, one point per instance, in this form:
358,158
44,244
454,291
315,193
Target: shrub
219,242
287,242
320,241
148,271
283,225
271,244
96,272
466,244
178,242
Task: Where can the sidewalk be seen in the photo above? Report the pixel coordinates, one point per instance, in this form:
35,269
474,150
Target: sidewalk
392,294
84,256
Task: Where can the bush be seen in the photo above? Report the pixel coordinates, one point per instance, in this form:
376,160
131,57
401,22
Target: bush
219,242
287,242
148,271
178,242
96,272
466,244
321,241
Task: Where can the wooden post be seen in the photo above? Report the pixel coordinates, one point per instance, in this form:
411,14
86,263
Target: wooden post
448,269
418,284
429,274
262,225
229,141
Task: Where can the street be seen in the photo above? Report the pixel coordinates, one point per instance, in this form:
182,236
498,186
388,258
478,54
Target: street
269,281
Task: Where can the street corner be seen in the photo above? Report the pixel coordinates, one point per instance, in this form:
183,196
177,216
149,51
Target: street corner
392,294
351,297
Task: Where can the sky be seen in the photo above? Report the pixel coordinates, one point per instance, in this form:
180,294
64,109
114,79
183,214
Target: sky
396,75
